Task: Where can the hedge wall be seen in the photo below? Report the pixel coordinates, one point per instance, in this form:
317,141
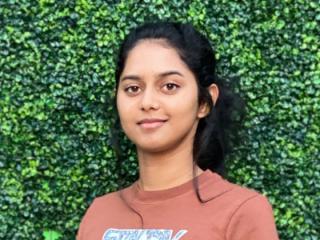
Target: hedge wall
56,85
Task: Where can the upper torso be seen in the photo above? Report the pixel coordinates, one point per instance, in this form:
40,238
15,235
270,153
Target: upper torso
230,212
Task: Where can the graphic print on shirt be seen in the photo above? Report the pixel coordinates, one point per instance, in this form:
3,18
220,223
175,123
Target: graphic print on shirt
142,234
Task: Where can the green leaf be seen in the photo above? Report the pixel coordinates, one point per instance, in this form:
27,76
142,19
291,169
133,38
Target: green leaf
51,235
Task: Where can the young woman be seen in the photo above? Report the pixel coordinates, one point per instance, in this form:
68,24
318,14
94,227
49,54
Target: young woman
176,111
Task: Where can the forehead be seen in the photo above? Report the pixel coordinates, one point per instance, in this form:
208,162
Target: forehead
153,55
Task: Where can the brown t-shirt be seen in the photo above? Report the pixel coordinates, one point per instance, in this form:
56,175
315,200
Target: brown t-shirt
230,212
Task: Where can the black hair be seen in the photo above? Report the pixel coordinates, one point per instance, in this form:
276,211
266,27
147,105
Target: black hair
215,131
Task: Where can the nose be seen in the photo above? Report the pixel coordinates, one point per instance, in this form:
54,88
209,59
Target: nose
149,100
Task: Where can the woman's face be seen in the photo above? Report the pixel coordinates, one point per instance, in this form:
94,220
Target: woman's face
157,98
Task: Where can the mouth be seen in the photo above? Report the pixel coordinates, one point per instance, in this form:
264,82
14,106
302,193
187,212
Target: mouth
151,123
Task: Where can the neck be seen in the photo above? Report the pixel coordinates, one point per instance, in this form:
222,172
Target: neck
165,170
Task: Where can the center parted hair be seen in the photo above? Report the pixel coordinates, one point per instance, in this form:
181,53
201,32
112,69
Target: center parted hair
214,132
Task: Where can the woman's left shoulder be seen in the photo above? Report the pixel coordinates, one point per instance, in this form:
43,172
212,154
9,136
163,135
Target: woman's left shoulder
242,196
233,194
252,199
252,216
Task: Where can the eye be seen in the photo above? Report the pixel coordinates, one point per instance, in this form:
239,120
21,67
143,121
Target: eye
131,89
171,86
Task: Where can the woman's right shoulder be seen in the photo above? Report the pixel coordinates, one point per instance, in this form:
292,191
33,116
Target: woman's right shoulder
107,199
100,210
110,200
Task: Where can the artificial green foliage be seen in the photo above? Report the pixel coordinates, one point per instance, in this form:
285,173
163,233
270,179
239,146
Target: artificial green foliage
51,235
57,61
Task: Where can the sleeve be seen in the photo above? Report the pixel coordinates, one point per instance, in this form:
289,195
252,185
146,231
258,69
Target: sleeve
83,223
253,220
80,230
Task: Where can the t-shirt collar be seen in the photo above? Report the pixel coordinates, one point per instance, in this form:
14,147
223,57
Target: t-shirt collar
211,185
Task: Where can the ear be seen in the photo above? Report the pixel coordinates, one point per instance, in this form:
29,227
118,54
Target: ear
204,108
214,92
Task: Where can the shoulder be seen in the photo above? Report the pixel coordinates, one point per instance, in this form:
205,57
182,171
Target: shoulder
247,199
244,194
251,216
98,205
232,194
236,198
109,200
106,203
102,209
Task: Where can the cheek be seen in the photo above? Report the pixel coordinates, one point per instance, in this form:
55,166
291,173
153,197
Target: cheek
121,108
125,109
187,105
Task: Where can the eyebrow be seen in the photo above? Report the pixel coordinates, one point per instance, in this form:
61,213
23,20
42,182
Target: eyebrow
161,75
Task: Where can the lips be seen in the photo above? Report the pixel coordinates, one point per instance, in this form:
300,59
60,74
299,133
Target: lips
151,123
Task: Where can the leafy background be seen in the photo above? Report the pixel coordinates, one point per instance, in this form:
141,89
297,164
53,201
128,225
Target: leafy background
56,116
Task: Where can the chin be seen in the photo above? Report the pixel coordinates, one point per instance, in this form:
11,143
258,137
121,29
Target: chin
151,147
